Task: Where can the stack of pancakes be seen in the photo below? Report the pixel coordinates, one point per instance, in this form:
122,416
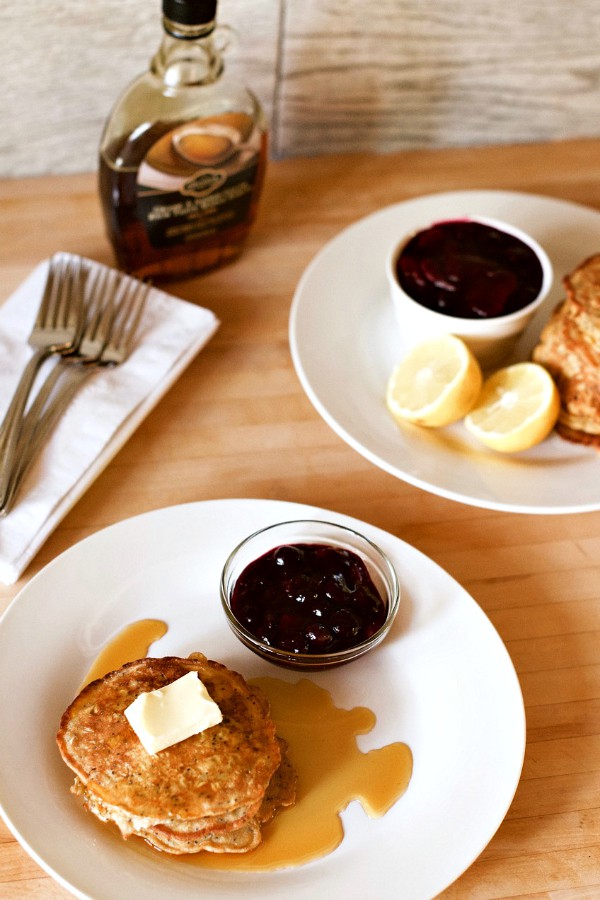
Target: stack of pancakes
569,347
212,791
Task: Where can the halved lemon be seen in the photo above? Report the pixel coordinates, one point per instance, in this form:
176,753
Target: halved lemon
436,383
517,408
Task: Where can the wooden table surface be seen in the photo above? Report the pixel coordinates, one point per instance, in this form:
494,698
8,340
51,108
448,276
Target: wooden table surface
237,424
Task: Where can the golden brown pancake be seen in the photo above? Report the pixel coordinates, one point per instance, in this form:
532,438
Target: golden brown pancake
569,347
211,791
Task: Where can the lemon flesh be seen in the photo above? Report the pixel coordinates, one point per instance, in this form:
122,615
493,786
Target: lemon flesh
437,383
517,408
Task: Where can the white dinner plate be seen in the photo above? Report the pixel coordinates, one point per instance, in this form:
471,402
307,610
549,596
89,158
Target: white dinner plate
345,341
442,682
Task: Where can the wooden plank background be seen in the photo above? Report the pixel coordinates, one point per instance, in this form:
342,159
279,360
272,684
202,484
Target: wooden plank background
334,76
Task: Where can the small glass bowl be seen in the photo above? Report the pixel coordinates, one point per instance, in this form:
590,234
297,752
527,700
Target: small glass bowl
308,531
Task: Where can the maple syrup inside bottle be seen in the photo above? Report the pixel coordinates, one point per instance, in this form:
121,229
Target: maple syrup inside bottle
332,770
183,154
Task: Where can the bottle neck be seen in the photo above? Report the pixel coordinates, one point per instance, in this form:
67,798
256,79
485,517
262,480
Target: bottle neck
188,56
187,32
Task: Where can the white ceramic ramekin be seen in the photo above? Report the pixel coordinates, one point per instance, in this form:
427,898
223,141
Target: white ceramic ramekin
491,339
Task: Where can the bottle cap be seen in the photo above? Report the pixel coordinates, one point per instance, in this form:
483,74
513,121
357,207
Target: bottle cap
190,12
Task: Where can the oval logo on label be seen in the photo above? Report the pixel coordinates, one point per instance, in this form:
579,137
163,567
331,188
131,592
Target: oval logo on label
204,183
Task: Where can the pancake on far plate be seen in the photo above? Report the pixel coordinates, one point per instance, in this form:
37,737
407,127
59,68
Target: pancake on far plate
212,791
569,347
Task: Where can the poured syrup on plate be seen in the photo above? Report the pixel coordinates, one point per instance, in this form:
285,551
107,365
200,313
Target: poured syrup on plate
332,770
132,642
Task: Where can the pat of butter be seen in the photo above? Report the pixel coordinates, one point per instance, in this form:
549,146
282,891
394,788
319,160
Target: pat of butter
171,714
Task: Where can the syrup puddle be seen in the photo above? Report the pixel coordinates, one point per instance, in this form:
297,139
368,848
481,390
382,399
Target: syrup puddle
132,642
332,771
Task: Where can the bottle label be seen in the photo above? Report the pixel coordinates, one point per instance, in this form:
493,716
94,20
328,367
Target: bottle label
198,179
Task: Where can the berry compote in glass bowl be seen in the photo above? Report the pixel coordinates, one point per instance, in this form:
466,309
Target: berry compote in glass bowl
309,594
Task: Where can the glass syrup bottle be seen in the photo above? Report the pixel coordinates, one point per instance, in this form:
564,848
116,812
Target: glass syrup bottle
183,154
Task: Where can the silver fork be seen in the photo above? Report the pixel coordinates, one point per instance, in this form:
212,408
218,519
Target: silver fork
114,327
89,342
56,330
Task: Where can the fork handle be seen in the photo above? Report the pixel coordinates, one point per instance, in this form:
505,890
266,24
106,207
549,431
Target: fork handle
22,391
43,394
39,423
10,428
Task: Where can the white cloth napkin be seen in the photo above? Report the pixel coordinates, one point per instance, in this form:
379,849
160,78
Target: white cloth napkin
104,414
